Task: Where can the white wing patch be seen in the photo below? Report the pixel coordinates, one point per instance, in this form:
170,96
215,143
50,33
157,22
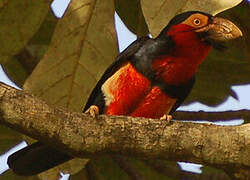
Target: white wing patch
110,87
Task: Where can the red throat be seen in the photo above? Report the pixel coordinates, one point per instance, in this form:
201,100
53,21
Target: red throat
181,64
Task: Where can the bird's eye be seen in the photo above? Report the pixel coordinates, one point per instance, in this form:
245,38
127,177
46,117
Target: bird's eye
197,22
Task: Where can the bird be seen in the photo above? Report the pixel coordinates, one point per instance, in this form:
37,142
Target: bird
151,78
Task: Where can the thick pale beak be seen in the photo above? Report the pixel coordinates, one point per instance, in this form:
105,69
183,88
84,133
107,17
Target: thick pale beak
220,30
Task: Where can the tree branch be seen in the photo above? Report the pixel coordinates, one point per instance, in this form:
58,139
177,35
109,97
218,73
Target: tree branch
213,116
81,136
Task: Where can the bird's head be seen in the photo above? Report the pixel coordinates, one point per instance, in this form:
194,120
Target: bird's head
207,28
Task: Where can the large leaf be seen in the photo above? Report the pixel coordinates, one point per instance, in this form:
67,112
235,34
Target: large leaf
19,66
134,20
83,175
104,168
73,166
9,175
83,45
20,20
8,138
160,12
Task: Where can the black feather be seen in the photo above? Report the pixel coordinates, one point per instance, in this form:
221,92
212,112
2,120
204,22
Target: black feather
35,159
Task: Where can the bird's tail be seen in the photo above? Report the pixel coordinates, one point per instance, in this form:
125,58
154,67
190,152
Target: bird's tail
35,159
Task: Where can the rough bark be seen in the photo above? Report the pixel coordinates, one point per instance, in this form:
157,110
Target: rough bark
213,116
82,136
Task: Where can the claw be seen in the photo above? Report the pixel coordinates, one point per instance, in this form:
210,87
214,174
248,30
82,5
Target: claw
93,110
166,117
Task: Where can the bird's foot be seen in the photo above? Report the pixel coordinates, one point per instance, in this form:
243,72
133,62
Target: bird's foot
93,111
166,117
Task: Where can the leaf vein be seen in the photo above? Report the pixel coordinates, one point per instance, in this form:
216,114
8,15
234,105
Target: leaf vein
75,30
81,45
58,100
58,63
93,46
74,10
79,86
53,84
90,73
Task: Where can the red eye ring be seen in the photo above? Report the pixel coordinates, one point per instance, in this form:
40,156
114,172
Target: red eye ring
197,22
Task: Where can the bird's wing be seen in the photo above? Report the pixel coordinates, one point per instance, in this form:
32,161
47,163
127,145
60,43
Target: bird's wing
96,95
184,92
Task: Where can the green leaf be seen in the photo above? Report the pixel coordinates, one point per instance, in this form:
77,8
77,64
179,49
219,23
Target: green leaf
83,45
83,175
121,167
19,66
20,20
72,167
105,168
146,171
214,173
9,175
44,34
131,14
8,138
